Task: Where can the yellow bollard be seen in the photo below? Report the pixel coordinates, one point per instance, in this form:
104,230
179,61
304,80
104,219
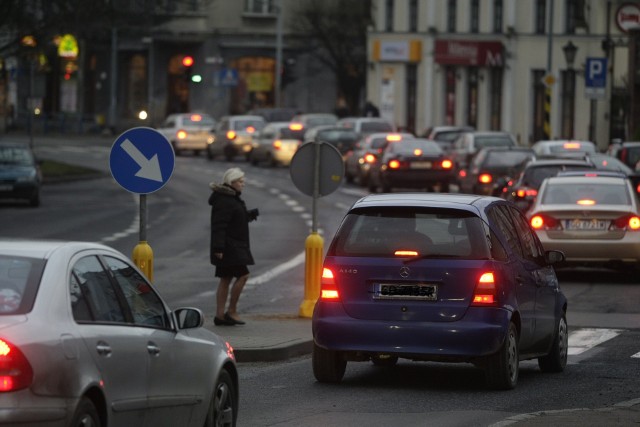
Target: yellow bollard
143,258
312,273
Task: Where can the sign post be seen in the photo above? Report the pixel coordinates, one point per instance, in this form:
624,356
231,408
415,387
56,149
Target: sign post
142,161
595,81
317,169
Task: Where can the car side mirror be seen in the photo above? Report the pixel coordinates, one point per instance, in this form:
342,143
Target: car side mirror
554,257
189,318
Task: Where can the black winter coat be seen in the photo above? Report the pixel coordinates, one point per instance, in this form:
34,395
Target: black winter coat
229,228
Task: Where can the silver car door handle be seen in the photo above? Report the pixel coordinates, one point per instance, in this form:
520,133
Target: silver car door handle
153,349
103,348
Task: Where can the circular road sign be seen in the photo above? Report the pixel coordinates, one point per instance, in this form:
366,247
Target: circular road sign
142,160
331,168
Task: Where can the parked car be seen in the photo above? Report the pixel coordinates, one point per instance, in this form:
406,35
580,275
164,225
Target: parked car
341,138
524,188
468,144
415,163
368,150
627,152
234,136
446,135
591,216
305,122
275,145
562,147
190,131
492,167
438,277
20,175
366,125
87,341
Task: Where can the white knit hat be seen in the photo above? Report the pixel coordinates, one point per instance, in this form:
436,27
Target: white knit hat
232,174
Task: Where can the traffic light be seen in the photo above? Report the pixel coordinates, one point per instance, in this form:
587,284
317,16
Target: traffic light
187,64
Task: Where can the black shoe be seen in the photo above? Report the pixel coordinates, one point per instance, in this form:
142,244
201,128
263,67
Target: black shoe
222,322
233,321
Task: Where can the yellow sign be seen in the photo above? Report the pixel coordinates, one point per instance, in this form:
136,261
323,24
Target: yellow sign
68,47
548,80
259,81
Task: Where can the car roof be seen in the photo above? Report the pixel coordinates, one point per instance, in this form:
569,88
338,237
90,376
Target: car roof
558,162
468,202
561,142
579,179
244,117
593,173
488,132
43,249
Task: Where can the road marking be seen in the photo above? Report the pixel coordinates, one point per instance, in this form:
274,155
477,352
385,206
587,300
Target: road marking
637,356
277,270
585,339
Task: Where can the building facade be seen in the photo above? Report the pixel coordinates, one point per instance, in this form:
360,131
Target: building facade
494,65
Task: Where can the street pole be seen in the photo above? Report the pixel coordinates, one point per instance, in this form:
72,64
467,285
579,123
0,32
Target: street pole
278,67
114,79
547,92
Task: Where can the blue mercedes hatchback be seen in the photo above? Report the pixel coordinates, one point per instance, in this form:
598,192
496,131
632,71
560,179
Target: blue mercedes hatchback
439,277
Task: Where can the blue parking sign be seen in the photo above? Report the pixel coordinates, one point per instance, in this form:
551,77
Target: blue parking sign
142,160
595,77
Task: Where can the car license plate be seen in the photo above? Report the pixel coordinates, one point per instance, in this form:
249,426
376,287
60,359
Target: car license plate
586,224
6,187
417,291
420,165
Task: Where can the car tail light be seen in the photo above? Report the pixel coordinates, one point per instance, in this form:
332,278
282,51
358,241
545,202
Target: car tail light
571,145
277,144
250,129
394,137
405,253
15,371
181,134
394,164
627,222
230,351
462,173
638,189
369,158
586,202
447,164
295,126
231,134
544,222
417,152
195,118
485,178
527,192
486,293
328,288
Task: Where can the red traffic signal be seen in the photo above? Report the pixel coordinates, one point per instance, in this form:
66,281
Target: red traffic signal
187,61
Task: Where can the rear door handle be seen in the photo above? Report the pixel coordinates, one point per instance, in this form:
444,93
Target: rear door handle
153,349
103,348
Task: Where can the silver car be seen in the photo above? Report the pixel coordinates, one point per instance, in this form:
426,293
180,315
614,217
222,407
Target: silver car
85,340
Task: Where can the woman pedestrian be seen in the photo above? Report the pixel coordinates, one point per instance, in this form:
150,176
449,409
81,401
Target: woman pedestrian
230,251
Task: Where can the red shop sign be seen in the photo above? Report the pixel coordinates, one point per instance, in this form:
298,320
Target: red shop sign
475,54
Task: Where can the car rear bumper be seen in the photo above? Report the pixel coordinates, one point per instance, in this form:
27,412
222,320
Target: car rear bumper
626,249
479,333
19,190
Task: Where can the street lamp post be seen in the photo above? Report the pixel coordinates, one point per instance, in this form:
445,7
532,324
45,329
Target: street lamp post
570,51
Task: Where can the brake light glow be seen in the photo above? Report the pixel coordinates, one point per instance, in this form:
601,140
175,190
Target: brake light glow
462,173
540,222
277,144
638,189
328,289
485,293
196,118
250,129
527,192
369,158
295,126
394,164
628,222
231,134
15,371
485,178
447,164
586,202
571,145
405,253
417,152
393,137
181,134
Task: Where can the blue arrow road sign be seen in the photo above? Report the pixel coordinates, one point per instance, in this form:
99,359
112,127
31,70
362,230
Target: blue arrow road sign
142,160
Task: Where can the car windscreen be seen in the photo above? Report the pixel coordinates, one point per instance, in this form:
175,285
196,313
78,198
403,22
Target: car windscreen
371,127
19,281
586,194
441,233
288,133
343,140
17,156
493,141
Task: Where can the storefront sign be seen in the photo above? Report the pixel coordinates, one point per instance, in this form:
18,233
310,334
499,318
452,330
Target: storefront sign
68,47
469,53
628,17
397,51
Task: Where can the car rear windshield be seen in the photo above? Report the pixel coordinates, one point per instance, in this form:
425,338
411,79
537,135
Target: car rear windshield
493,141
507,158
19,279
409,147
199,120
437,233
534,176
371,127
586,194
244,124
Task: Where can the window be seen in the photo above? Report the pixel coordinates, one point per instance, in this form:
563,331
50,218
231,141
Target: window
495,91
413,16
451,15
531,246
541,17
570,16
475,16
261,7
388,15
499,215
539,91
93,296
146,307
498,15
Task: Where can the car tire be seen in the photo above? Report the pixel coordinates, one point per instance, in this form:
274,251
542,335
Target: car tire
328,366
86,414
223,409
502,368
385,361
556,360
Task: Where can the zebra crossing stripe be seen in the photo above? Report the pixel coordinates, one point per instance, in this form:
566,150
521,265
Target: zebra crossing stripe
637,355
585,339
